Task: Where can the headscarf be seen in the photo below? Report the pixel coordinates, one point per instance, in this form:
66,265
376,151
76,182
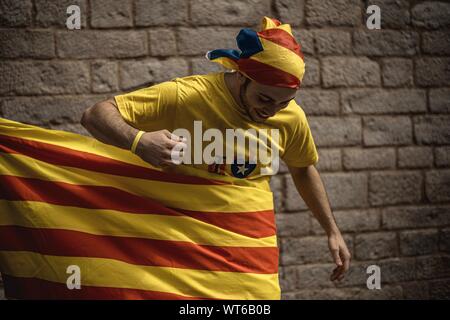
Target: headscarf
271,56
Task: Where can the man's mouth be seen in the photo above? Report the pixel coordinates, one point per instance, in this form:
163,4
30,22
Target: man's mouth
261,115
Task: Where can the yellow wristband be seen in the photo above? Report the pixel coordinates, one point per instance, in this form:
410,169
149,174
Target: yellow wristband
136,141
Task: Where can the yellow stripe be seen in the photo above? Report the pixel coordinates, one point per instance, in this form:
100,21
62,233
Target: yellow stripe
267,23
35,214
226,62
207,198
87,144
286,27
68,140
285,59
117,274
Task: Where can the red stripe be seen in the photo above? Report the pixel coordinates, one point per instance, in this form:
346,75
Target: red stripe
253,224
266,74
257,224
84,196
138,251
62,156
282,38
32,289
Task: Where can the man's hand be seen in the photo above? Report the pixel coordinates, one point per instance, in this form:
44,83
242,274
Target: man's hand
156,148
341,255
310,187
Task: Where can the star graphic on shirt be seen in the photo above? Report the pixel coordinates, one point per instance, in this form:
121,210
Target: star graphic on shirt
242,169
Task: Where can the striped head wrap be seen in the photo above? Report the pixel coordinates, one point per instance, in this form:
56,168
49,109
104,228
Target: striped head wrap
271,56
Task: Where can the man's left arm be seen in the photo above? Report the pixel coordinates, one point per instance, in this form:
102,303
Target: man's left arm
310,187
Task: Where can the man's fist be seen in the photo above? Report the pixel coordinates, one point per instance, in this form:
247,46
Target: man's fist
156,147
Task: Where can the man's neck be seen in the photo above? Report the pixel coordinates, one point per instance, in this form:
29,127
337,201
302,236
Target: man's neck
231,82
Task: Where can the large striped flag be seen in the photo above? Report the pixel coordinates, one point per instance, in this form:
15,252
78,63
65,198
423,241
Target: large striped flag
134,231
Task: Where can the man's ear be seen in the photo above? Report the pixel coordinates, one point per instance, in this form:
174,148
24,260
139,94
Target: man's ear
241,78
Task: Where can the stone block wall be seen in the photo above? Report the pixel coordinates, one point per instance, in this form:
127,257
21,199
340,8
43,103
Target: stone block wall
377,101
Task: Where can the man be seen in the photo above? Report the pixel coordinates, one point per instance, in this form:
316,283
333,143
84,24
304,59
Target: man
259,94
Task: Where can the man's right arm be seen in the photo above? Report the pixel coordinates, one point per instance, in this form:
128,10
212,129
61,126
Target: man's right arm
104,122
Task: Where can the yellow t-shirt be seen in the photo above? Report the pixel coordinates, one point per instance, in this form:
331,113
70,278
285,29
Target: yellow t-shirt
178,103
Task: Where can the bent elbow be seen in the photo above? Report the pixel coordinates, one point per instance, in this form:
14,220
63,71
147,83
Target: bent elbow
86,117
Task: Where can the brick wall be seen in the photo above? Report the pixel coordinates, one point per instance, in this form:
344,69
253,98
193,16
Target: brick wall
378,104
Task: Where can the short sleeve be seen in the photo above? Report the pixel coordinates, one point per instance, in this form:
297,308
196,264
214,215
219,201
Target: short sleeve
142,107
300,150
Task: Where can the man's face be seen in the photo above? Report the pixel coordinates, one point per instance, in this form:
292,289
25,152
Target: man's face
263,102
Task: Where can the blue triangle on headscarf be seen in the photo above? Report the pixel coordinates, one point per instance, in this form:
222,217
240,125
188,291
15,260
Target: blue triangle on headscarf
249,43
